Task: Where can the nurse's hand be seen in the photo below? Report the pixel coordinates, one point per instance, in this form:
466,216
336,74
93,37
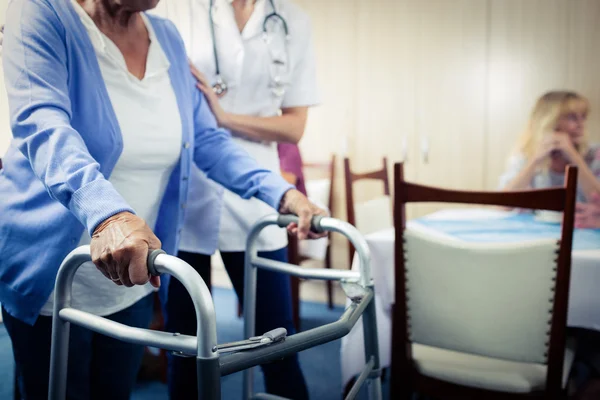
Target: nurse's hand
120,247
294,202
210,95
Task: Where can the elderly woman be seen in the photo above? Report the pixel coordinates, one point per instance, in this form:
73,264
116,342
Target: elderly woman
107,122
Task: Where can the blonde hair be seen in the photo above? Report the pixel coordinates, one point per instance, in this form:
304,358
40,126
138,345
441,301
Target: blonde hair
545,116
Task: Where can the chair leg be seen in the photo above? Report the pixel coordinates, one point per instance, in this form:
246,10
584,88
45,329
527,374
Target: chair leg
154,367
294,259
295,284
16,391
329,283
402,390
329,295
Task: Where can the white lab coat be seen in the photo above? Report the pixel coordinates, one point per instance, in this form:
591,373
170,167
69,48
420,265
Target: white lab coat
246,64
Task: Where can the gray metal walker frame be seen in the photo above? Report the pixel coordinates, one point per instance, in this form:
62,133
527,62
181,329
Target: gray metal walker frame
212,360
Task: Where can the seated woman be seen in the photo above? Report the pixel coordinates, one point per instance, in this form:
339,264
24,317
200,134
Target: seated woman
554,138
107,122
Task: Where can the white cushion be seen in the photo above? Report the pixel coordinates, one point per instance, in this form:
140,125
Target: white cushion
486,373
318,190
494,300
315,249
373,215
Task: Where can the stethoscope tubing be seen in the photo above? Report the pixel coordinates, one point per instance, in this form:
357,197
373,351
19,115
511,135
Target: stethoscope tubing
220,87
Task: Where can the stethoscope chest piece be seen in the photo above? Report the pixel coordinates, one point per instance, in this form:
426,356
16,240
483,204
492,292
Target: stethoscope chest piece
220,87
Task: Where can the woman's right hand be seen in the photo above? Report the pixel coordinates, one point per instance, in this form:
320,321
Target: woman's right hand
120,247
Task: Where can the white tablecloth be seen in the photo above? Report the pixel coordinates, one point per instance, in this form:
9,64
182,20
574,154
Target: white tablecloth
584,300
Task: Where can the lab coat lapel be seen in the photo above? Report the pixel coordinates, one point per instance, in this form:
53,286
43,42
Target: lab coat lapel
254,26
222,13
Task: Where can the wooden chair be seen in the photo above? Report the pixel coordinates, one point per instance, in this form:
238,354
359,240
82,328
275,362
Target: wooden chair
296,255
351,206
154,367
443,354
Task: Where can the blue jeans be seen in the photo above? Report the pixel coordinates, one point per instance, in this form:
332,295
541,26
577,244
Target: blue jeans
99,367
283,378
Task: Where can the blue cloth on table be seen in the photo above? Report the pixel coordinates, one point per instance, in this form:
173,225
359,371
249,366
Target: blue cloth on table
514,228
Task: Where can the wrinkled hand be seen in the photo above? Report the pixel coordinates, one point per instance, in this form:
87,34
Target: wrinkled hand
211,97
294,202
587,215
120,247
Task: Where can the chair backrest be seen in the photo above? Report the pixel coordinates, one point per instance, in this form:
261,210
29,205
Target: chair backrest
359,213
478,267
484,299
321,192
322,189
373,215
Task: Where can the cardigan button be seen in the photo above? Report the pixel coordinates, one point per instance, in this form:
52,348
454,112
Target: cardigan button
186,145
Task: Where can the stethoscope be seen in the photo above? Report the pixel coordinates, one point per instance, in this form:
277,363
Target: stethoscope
220,86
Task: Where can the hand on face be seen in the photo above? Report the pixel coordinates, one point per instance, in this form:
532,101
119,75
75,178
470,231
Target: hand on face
555,143
573,124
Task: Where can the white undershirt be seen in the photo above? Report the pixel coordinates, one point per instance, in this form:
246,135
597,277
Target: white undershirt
150,124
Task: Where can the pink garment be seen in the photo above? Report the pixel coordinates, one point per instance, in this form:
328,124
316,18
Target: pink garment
290,161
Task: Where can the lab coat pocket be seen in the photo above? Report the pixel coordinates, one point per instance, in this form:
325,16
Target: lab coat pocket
279,66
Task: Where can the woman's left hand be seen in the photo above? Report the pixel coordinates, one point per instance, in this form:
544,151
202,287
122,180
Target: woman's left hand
294,202
587,215
212,98
562,142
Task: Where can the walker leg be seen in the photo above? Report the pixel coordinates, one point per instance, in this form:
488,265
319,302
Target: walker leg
250,277
372,349
59,358
209,378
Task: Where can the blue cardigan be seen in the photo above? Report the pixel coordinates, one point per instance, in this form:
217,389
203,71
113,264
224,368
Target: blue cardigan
67,141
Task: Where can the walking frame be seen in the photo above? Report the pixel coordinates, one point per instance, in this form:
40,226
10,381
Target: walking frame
213,360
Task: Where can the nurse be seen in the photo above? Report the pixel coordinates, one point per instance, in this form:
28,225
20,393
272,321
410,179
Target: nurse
254,62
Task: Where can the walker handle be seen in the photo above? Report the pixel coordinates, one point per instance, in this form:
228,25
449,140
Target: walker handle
284,220
151,259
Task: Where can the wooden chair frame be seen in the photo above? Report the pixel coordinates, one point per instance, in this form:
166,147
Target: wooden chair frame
405,377
350,178
293,250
